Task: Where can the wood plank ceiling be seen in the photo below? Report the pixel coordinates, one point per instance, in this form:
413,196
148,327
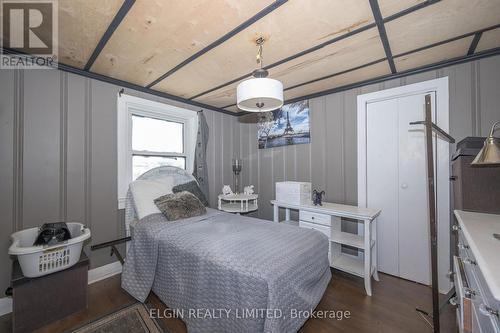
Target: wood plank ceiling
199,50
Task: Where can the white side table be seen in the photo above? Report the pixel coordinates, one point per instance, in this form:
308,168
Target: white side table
238,203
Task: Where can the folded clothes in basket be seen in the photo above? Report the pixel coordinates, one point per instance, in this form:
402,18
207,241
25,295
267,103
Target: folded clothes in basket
52,233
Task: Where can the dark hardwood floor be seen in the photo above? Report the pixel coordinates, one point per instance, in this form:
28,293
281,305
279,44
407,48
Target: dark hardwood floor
390,309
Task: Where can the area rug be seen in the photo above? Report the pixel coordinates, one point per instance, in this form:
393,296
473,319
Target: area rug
134,319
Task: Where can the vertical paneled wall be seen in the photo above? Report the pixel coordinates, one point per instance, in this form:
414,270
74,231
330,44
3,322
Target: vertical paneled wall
58,147
59,158
330,161
223,146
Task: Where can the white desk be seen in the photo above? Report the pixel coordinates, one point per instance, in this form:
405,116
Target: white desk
327,219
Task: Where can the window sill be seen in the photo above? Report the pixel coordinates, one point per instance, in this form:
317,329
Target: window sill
121,203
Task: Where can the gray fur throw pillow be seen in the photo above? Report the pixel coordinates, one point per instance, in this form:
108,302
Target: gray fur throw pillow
192,187
180,205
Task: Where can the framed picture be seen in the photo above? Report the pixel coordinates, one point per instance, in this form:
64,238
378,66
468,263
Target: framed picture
288,125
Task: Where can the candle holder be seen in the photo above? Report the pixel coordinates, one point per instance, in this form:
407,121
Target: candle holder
237,164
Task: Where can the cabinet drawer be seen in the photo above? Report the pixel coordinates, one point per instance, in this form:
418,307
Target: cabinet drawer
321,228
464,298
463,247
315,218
487,301
486,321
482,298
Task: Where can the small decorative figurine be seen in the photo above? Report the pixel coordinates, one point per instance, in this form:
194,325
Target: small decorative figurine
226,190
248,190
318,197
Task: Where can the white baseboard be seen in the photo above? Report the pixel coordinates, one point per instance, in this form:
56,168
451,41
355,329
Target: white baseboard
5,305
104,272
94,275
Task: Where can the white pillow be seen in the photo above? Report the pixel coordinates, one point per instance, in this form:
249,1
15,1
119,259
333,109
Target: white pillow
144,192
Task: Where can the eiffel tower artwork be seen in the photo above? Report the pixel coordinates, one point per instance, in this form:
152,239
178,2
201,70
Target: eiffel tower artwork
288,125
288,129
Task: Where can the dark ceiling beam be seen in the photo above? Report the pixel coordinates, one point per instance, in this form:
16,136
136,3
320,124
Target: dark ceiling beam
383,34
324,77
435,66
120,83
297,55
410,10
120,15
473,44
475,33
320,46
221,40
336,74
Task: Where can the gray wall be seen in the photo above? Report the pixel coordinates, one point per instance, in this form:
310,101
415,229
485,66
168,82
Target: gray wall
58,147
330,161
58,155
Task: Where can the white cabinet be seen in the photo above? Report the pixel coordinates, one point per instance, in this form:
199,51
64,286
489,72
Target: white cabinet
477,272
293,192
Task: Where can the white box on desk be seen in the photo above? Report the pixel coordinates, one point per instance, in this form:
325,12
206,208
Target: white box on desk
295,193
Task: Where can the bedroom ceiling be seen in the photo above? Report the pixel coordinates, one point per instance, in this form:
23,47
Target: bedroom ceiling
201,49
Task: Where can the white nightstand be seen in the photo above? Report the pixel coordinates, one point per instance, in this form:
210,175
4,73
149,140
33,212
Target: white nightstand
238,203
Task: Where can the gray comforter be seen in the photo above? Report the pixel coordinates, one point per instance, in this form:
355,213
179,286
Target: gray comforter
228,273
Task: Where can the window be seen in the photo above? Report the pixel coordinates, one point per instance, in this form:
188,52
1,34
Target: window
152,134
156,142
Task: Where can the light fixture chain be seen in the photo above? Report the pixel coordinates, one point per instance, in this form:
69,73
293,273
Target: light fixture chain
260,59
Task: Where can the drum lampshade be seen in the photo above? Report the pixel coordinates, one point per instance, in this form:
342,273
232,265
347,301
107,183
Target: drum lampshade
259,94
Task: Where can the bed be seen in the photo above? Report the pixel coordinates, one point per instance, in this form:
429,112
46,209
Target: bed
226,273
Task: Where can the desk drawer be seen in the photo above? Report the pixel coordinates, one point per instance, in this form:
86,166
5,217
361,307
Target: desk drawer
315,218
321,228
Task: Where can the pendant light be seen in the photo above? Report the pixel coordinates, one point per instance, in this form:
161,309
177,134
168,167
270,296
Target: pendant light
259,94
490,153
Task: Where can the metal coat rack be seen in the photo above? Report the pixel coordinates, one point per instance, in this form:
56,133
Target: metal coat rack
430,127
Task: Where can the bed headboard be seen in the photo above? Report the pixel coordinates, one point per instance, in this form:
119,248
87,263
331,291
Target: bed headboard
179,176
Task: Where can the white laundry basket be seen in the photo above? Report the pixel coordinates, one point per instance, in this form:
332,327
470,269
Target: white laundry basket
41,260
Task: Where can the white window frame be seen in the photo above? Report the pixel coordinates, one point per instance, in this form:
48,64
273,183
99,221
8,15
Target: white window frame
131,105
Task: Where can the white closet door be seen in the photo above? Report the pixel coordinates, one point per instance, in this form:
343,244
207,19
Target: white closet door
414,246
382,179
396,183
392,176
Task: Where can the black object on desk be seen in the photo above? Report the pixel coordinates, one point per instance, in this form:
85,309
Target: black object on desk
42,300
474,189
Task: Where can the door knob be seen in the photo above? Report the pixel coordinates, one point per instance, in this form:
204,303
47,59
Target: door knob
404,186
